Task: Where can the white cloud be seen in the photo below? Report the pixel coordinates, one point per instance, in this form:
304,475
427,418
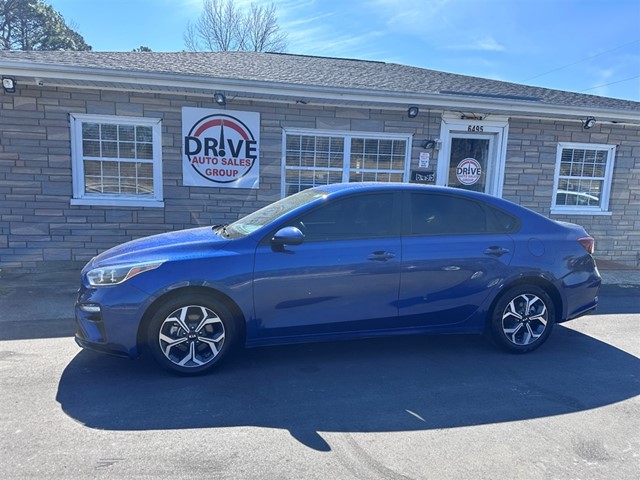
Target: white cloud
486,44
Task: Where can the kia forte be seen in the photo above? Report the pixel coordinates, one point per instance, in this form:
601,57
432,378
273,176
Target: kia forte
341,261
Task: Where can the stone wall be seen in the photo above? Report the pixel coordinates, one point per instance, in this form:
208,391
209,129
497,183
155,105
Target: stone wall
37,222
529,175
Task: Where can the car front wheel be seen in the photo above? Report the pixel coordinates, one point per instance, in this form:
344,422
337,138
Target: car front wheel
522,319
191,334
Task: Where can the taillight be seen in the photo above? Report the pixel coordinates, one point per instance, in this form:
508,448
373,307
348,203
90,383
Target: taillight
588,243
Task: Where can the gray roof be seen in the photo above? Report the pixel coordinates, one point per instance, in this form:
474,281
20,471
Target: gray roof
307,71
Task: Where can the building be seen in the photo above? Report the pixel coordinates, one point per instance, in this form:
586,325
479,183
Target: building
98,148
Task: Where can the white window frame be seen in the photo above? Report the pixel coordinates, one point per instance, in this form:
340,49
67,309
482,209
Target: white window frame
80,196
347,136
603,208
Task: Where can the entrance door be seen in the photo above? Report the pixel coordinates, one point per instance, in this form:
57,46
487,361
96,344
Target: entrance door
470,162
472,155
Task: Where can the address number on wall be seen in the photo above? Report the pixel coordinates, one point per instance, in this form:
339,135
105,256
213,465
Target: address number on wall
475,128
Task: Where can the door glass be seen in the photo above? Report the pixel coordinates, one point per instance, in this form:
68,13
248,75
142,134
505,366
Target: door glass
469,163
445,215
364,216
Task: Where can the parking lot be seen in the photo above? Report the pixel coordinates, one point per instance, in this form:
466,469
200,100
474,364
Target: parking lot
419,407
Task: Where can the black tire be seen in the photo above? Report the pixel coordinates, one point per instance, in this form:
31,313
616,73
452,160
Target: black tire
201,328
522,319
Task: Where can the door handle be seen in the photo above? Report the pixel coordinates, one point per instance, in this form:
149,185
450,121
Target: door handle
496,251
381,256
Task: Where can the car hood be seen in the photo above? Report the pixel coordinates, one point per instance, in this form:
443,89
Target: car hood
181,244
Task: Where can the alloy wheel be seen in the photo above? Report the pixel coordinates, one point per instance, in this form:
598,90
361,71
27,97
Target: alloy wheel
525,319
191,336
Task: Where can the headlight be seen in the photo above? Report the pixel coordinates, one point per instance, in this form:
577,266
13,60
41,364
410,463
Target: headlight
113,275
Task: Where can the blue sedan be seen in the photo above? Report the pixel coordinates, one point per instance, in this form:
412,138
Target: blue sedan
339,262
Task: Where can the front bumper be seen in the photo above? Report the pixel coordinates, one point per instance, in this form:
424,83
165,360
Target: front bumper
108,319
98,347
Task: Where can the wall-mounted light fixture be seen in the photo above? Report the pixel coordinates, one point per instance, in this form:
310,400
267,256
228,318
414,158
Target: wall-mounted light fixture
412,112
220,99
9,84
428,144
588,123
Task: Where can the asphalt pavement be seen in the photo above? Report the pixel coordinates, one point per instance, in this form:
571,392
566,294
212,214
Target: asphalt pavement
416,407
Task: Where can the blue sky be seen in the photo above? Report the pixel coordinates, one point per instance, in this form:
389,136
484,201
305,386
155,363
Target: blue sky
586,46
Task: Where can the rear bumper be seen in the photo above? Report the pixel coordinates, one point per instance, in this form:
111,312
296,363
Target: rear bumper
586,310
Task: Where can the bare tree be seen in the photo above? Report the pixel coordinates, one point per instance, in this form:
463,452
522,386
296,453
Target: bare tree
261,30
224,27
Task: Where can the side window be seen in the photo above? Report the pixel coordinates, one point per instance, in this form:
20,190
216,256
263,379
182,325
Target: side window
435,214
501,222
364,216
116,161
583,178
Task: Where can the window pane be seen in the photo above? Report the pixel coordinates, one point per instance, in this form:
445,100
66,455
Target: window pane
366,216
308,144
144,151
293,142
126,133
110,149
371,162
144,134
322,160
111,169
336,160
337,144
292,176
307,160
92,168
127,150
370,146
433,214
91,131
293,159
108,132
357,145
90,148
145,186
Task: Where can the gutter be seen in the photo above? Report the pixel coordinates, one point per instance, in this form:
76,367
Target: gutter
46,75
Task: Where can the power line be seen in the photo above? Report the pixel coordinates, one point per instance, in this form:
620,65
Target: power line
580,61
611,83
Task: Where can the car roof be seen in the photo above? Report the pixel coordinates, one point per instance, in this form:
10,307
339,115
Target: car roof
346,188
340,189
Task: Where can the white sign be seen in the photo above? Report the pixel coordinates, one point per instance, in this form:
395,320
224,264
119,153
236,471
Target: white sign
468,171
220,148
424,160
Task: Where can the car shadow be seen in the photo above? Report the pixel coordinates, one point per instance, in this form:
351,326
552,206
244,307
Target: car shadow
379,385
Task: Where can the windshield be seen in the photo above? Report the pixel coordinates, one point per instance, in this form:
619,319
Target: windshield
268,214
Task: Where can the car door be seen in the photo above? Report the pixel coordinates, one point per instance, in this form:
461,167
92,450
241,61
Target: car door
344,277
455,251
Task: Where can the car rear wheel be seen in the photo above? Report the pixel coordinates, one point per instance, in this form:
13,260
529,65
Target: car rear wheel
191,334
522,319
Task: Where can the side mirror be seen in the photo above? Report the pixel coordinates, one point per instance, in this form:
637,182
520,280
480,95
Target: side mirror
286,236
